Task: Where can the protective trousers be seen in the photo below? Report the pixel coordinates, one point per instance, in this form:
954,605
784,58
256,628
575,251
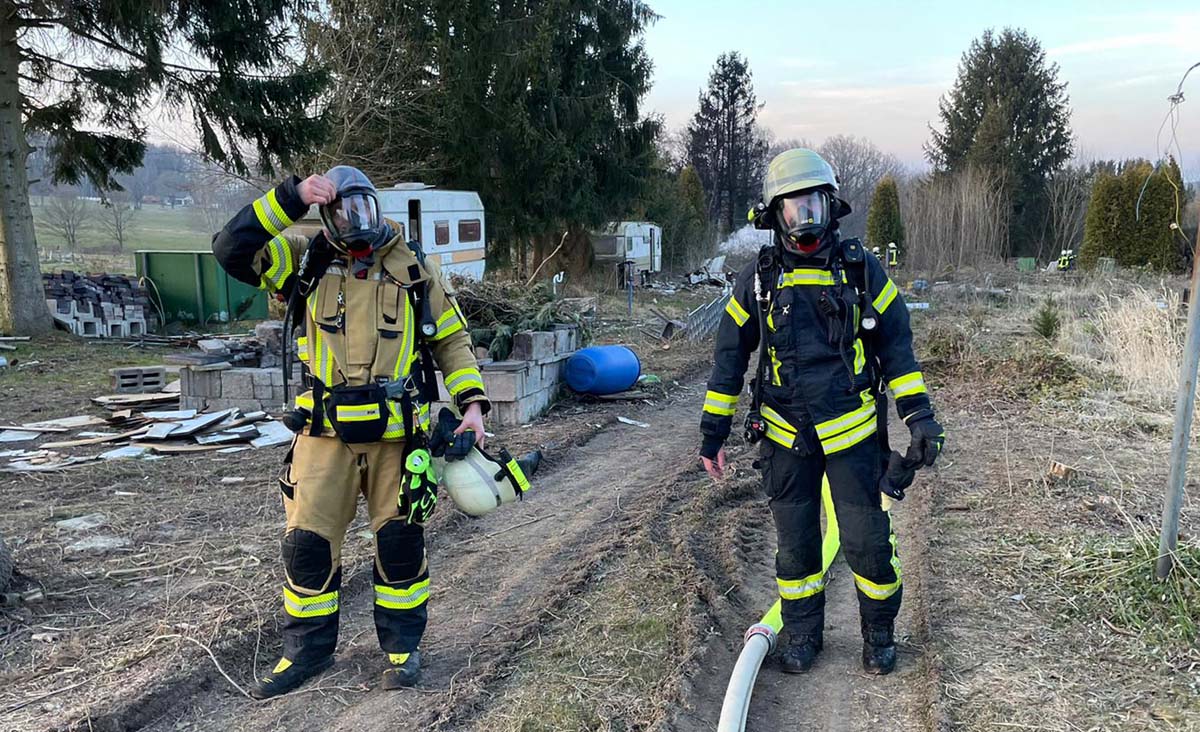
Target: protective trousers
793,485
320,485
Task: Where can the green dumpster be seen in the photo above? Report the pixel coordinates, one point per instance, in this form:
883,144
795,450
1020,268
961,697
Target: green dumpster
193,288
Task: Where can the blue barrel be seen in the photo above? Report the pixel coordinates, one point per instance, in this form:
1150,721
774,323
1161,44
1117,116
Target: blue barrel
603,370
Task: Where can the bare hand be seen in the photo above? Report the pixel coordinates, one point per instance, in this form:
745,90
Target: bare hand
316,189
715,468
473,420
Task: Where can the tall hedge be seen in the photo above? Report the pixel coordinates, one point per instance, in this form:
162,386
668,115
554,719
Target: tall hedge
1133,235
884,224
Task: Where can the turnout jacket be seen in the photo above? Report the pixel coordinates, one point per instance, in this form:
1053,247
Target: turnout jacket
818,377
357,329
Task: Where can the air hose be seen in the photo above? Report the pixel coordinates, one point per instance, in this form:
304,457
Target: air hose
760,638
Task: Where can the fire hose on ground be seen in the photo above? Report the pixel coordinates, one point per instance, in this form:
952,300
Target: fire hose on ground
760,638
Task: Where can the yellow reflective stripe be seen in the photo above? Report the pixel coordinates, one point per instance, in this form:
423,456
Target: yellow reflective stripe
804,276
801,588
860,356
357,412
876,590
721,404
849,439
908,384
302,348
848,420
775,366
737,312
305,401
775,417
302,606
281,262
405,599
404,362
395,426
447,328
774,434
514,468
463,379
885,297
270,214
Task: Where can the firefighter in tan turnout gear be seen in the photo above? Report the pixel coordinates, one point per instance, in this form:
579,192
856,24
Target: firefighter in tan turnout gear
375,313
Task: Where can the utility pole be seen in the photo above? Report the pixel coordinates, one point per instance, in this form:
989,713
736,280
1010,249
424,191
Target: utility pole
1185,403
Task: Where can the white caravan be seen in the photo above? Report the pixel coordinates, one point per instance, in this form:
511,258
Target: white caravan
449,224
639,242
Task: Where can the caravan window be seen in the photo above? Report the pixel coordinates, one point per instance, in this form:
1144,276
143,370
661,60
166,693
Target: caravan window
468,230
441,232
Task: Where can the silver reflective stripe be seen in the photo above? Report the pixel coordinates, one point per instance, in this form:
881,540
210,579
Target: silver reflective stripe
797,592
411,595
330,604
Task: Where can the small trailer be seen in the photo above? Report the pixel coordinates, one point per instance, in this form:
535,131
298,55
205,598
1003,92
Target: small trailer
449,224
635,246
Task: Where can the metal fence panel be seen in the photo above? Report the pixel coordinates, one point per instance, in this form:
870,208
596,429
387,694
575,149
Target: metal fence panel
702,321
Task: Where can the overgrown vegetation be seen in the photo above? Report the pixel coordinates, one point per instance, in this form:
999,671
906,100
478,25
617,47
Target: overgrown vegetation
884,223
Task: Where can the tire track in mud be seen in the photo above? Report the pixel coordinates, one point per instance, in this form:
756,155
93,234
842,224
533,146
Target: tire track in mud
497,581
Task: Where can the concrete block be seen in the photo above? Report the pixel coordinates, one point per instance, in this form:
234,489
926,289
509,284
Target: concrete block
533,346
138,379
262,377
192,402
264,392
237,383
277,396
504,386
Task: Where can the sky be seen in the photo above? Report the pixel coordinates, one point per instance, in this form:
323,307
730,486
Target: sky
876,69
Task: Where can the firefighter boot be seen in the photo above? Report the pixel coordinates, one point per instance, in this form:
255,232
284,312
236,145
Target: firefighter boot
287,676
798,656
879,649
404,671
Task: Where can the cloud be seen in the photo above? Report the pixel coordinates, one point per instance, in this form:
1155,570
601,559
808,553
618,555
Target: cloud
1166,39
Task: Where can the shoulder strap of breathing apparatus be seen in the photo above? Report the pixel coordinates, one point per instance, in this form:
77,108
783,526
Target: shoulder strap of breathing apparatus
426,378
855,261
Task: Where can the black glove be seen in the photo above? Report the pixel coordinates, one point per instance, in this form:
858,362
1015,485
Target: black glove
928,437
444,443
899,473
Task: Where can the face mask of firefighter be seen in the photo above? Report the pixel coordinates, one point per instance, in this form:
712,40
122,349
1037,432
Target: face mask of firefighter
353,221
804,220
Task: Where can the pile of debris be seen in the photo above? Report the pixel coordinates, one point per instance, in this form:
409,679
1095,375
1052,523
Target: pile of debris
98,306
497,311
147,434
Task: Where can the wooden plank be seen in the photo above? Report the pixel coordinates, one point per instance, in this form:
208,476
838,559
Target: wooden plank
192,426
26,428
82,420
14,338
171,448
94,440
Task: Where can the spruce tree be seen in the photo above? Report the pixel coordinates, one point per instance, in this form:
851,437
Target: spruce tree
1009,114
84,74
884,224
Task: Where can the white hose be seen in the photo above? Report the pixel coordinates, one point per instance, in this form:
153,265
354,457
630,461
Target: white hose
760,640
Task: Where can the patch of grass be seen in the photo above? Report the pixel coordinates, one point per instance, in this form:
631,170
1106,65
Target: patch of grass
1113,580
608,664
55,375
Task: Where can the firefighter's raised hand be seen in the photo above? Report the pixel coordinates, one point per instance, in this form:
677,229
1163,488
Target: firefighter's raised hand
472,420
715,466
316,189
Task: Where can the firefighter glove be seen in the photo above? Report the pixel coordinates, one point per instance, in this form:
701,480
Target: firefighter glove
928,437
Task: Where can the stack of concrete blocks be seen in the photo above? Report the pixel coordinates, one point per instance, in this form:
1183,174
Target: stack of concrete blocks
97,306
220,386
524,386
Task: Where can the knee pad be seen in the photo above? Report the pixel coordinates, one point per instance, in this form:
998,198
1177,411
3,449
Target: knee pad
308,559
399,551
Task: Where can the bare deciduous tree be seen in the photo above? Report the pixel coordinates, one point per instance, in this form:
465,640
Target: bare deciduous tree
118,217
954,220
1068,191
67,216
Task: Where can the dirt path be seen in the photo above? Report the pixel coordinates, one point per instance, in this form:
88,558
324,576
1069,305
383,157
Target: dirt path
496,581
615,597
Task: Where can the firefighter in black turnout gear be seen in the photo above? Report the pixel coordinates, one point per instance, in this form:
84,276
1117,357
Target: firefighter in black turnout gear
836,338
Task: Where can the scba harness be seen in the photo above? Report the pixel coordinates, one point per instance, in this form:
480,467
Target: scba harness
847,317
